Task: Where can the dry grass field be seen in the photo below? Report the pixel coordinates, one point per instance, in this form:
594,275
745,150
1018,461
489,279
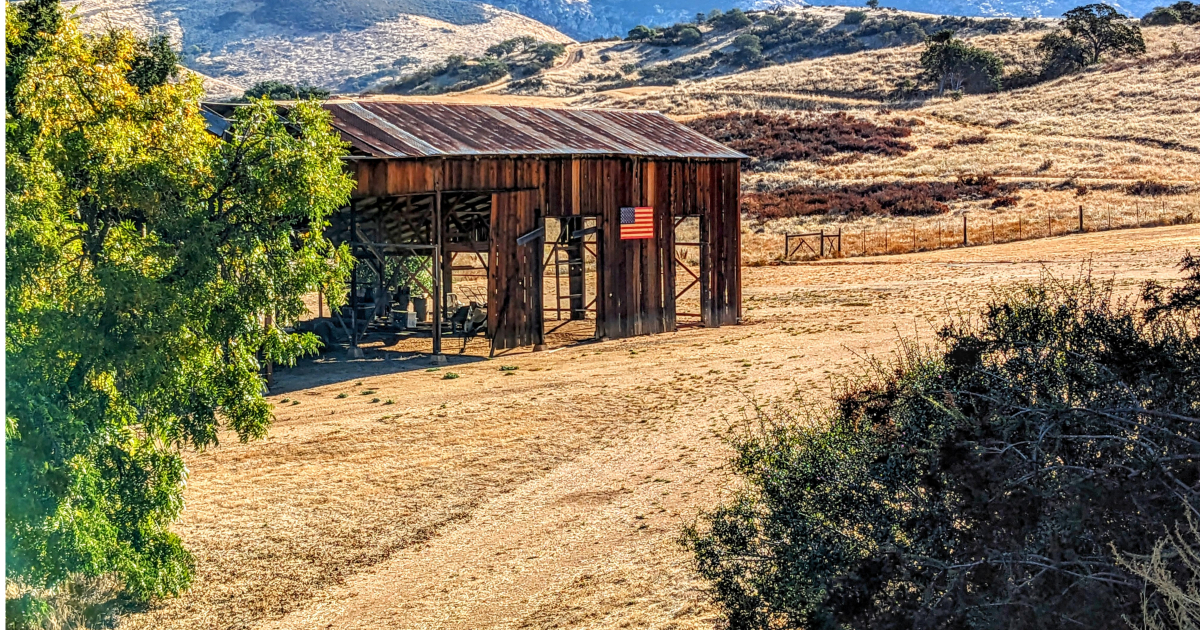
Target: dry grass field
551,495
1082,140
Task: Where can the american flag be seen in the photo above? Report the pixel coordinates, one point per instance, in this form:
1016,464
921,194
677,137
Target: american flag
637,223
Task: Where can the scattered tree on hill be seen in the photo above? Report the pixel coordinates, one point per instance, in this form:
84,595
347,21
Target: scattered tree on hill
854,17
873,4
280,91
1088,33
510,46
989,483
730,20
956,65
689,36
1183,12
747,49
640,33
142,255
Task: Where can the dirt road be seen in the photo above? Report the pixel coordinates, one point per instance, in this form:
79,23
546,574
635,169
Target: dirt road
551,495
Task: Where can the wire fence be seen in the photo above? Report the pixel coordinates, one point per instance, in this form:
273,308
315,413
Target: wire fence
966,230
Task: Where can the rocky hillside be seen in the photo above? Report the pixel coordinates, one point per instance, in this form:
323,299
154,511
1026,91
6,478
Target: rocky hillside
343,45
589,19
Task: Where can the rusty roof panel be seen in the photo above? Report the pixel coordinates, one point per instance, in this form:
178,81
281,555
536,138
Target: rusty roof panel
414,130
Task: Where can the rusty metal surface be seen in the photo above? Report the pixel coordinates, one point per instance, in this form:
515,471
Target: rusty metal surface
416,130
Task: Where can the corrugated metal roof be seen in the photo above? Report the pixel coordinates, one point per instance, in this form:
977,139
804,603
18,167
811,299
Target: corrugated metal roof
389,129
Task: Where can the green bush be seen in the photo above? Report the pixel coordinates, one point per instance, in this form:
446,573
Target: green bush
1183,12
640,33
854,17
1162,16
991,483
280,91
730,20
1088,33
960,67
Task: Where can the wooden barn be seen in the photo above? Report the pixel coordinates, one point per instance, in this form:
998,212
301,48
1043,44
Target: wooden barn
446,180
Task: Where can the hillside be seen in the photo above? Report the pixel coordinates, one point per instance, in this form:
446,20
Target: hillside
588,19
821,36
1121,139
343,45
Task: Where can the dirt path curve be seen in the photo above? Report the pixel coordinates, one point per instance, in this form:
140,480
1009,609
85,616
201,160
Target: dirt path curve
551,495
519,552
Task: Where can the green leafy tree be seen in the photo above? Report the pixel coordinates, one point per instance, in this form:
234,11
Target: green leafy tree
731,20
1088,33
280,91
640,33
689,36
854,17
1162,16
748,49
143,256
958,66
154,62
873,4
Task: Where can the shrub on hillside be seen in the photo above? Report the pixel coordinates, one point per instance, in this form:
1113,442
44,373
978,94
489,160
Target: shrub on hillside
879,199
280,91
1183,12
1151,188
730,20
772,136
990,483
854,17
960,67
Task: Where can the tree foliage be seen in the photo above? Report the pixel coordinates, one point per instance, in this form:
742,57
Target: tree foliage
1088,33
280,91
956,65
1182,12
142,255
989,484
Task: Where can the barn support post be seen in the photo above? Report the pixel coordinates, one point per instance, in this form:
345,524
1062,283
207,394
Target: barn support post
438,357
355,351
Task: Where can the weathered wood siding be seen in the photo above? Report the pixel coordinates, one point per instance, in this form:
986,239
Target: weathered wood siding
515,272
636,278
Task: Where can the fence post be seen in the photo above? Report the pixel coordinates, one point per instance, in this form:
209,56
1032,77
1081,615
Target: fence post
822,243
1081,219
839,241
964,229
993,230
1049,225
1021,226
885,239
914,227
787,245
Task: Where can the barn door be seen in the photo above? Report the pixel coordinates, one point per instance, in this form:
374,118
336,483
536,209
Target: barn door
515,316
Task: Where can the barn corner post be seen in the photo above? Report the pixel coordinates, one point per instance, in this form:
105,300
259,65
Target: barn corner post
435,261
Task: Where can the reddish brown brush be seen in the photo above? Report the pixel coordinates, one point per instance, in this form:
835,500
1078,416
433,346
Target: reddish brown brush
893,198
782,136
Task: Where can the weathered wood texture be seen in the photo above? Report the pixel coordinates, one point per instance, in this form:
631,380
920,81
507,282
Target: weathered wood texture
515,314
635,278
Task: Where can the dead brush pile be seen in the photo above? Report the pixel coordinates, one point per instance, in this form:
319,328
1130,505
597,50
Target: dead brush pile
905,199
783,136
